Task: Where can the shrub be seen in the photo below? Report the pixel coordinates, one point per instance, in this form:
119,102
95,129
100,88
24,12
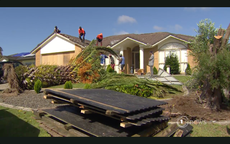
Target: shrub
68,85
109,69
155,71
173,62
87,86
188,70
38,86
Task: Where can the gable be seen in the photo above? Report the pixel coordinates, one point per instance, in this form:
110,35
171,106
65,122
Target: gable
56,45
171,43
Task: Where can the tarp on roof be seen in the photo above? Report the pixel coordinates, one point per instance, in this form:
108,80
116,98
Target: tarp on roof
21,54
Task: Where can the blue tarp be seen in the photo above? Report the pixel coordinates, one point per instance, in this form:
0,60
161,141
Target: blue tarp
21,54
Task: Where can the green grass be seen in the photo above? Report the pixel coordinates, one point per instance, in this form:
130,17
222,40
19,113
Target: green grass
18,123
209,130
77,85
182,79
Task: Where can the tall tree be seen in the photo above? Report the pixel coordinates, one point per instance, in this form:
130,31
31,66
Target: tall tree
210,51
1,52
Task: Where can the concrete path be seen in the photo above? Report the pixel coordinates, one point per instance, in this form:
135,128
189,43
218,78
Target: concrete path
4,86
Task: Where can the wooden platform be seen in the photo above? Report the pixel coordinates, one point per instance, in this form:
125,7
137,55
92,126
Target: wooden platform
93,125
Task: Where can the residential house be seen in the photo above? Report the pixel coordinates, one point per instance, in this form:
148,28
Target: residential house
25,58
136,48
58,49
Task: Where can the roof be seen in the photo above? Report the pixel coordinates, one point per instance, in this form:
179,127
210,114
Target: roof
71,38
21,54
147,38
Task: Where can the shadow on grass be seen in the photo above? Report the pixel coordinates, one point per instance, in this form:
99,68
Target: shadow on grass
12,126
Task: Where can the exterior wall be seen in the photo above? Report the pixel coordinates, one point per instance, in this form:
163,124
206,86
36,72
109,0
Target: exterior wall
191,60
38,58
56,45
146,58
77,50
28,62
57,58
174,46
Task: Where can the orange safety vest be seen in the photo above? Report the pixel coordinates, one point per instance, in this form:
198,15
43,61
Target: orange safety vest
100,36
81,31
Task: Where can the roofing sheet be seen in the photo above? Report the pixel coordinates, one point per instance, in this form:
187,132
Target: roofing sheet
118,102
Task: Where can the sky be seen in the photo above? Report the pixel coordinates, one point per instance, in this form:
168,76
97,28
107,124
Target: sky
23,28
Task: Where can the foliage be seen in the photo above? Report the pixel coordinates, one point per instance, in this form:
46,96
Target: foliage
38,86
87,63
155,71
132,85
109,69
173,62
49,75
68,85
87,86
188,70
207,67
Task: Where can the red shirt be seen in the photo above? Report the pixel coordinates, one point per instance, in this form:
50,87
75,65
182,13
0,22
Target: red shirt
100,36
81,31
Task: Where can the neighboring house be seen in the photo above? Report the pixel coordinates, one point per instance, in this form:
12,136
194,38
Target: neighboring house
58,49
136,48
25,58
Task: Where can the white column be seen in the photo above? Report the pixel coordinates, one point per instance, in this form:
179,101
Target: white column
121,52
118,68
141,57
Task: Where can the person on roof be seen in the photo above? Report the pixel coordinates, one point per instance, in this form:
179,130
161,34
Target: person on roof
56,30
81,32
99,38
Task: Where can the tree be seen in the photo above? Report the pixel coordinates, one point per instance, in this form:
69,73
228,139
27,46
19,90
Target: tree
1,52
210,51
155,71
173,62
188,70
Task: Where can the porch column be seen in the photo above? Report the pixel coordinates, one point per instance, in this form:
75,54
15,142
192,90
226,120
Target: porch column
141,57
122,51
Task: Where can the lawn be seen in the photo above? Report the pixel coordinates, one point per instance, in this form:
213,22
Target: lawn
209,130
182,78
18,123
76,85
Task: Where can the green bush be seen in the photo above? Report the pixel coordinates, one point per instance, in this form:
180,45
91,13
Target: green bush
68,85
173,62
155,71
109,69
188,70
38,86
87,86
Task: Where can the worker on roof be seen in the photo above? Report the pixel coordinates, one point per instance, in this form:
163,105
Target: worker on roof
81,32
99,38
56,30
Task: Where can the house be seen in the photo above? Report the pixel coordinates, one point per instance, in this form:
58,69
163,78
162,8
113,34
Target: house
136,47
58,49
25,58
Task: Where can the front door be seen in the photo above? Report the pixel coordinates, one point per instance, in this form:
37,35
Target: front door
136,60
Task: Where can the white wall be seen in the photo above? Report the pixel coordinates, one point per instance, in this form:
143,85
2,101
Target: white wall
57,44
